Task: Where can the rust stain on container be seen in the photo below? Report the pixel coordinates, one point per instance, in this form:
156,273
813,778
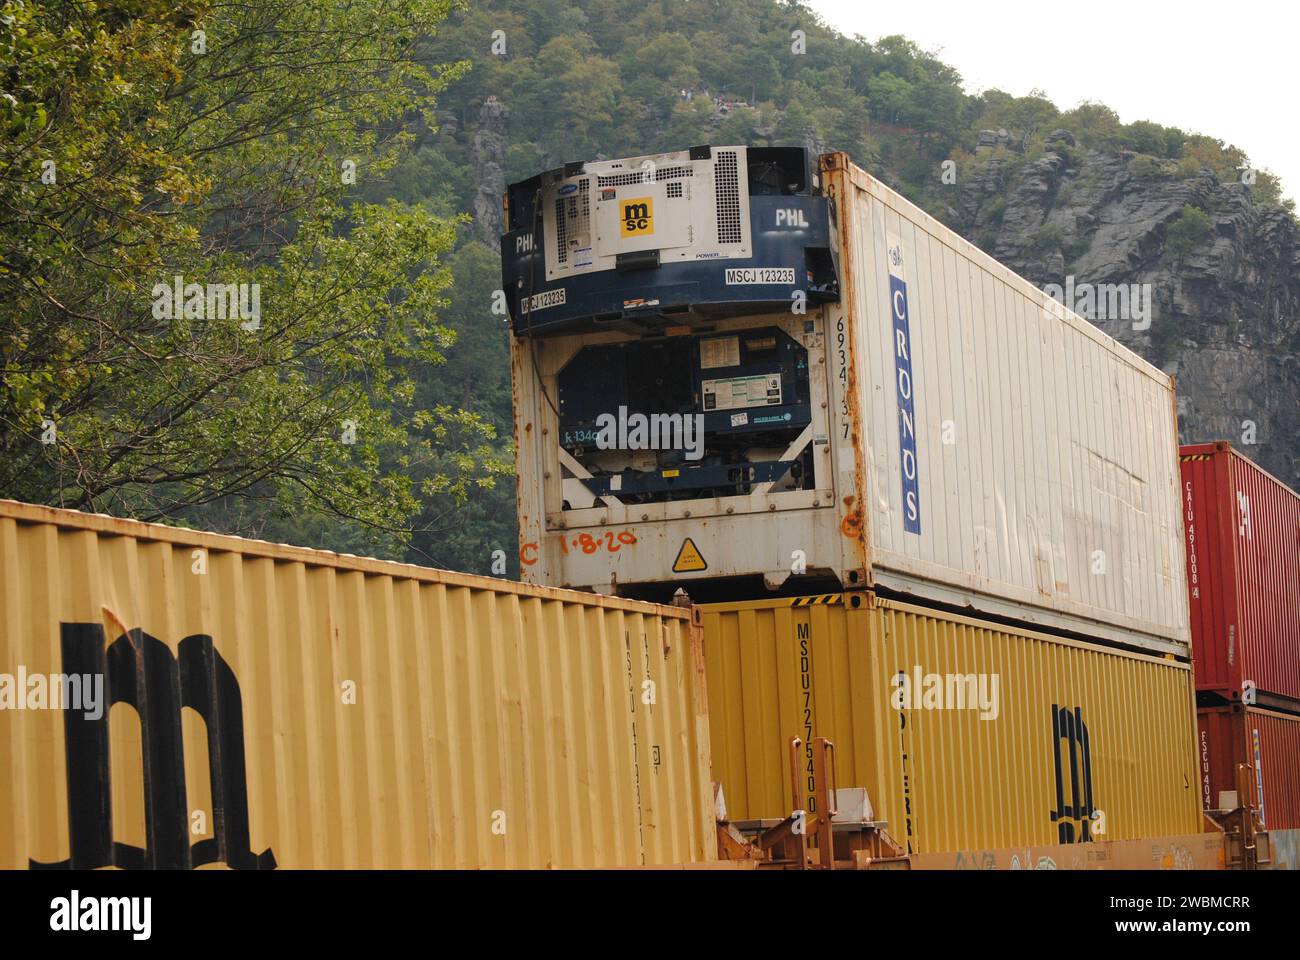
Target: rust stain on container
277,706
853,526
1081,743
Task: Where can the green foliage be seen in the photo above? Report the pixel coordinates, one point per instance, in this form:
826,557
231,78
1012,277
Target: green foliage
377,296
462,527
1185,233
1035,150
1076,248
1143,136
1267,189
1224,161
1095,125
1145,168
607,77
1068,154
218,158
1165,333
1048,239
1024,118
618,91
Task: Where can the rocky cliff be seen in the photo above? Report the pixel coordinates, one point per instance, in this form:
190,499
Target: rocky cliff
1224,315
489,157
1215,274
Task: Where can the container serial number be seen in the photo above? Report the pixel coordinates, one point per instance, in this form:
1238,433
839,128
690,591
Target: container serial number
745,275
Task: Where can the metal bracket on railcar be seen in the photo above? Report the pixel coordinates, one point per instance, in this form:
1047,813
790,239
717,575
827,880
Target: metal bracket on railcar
852,840
1247,845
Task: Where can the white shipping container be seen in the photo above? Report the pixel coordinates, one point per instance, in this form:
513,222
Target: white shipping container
970,441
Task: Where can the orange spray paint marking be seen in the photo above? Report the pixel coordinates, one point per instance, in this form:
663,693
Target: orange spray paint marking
589,544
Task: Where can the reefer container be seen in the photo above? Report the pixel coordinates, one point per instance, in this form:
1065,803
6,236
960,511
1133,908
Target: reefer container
997,737
342,712
1267,740
1243,574
879,403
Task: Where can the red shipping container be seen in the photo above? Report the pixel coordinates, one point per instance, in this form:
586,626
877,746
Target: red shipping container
1269,741
1242,528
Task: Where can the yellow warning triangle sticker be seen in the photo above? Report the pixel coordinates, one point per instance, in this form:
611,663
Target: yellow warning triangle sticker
689,559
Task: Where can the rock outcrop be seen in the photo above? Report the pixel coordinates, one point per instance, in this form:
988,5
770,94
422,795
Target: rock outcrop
489,162
1225,317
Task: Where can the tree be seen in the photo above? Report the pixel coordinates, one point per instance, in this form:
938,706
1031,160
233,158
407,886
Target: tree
1151,138
223,145
1192,226
1022,117
1095,124
576,103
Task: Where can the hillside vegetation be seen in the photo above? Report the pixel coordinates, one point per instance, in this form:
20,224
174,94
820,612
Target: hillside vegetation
230,165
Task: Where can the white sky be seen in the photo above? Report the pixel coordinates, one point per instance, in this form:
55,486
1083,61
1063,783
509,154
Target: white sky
1230,70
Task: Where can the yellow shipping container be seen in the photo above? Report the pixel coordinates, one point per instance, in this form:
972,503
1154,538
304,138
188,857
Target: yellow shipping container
272,705
997,737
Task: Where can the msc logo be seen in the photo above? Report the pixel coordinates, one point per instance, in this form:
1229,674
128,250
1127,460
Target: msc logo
638,217
1073,820
141,671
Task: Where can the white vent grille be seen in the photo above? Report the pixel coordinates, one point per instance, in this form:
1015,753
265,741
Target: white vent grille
572,219
726,183
701,211
661,173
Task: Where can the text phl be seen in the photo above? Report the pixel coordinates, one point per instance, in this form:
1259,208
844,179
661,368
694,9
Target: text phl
656,431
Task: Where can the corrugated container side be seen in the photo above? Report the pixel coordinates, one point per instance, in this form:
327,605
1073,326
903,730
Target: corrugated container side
1220,746
1211,570
1266,739
305,709
1243,550
1080,730
1043,453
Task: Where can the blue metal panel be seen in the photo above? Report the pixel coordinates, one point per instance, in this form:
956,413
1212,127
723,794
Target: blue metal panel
659,295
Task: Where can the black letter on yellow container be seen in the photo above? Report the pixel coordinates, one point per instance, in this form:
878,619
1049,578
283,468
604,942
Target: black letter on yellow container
140,670
1069,726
